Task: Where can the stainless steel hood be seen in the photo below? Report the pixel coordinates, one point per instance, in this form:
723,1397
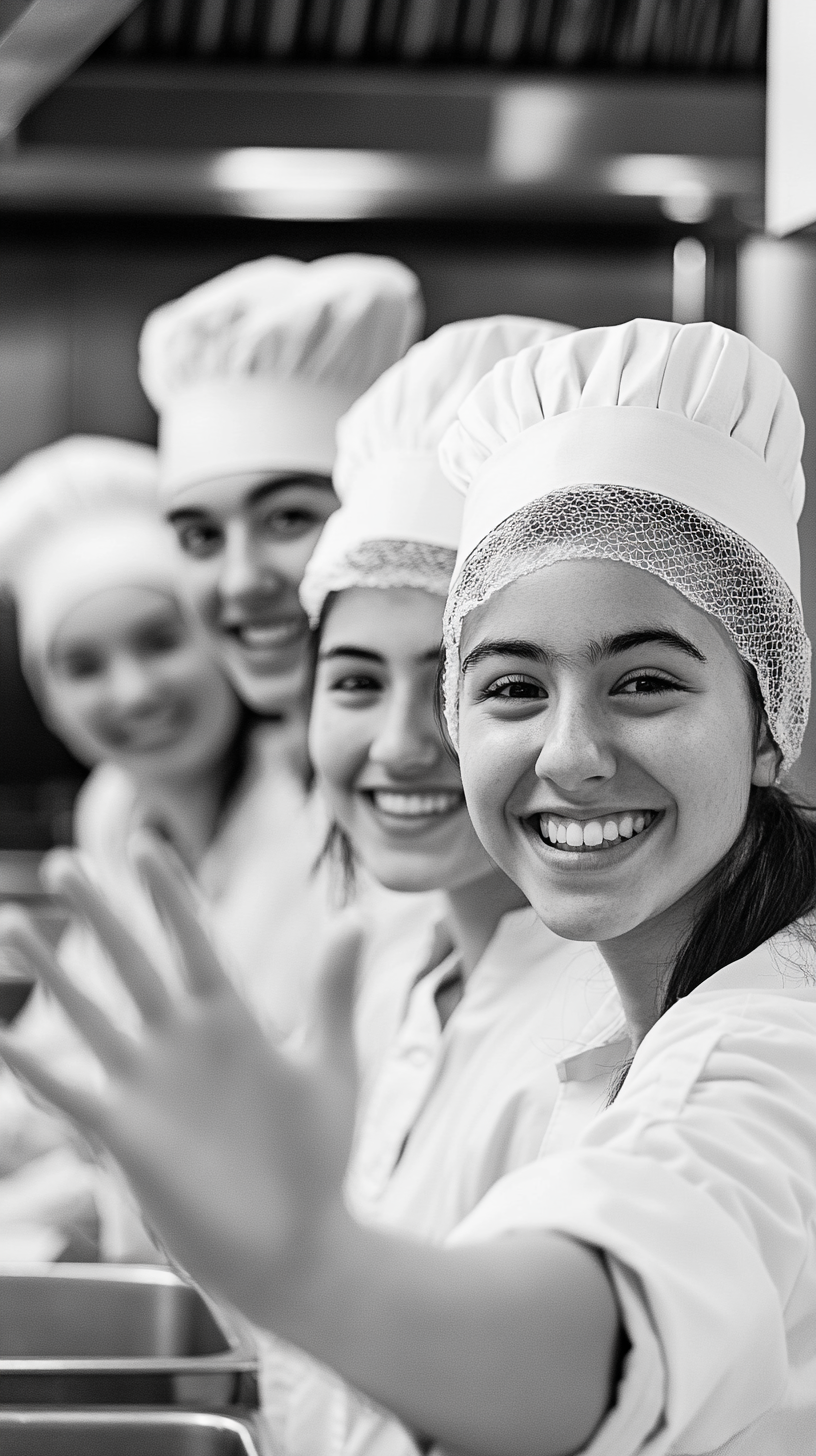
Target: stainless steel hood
41,41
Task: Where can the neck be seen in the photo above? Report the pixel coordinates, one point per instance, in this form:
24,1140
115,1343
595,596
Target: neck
474,911
641,962
186,808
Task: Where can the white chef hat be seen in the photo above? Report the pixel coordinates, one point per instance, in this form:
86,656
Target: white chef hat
75,518
400,520
671,447
251,371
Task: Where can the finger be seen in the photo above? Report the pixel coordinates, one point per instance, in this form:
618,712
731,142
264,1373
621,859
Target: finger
336,997
63,875
83,1107
114,1050
170,889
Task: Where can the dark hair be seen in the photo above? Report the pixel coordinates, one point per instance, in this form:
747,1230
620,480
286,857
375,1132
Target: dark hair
237,758
337,852
439,708
765,882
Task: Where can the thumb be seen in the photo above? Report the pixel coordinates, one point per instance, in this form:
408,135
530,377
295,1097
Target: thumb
335,999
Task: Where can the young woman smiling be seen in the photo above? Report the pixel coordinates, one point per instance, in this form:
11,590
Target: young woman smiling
124,674
624,638
459,1022
249,373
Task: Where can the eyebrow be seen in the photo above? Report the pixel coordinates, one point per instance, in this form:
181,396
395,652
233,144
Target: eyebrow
605,647
268,487
368,656
186,513
255,496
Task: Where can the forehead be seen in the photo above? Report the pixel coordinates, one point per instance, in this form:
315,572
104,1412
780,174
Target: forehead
228,495
395,623
107,614
566,606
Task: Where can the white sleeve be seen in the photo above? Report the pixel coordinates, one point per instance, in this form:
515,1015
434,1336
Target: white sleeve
698,1186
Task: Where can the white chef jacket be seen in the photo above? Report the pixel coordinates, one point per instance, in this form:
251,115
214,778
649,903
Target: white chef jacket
268,912
698,1185
449,1110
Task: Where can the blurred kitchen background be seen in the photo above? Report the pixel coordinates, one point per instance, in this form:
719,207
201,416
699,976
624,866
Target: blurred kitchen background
587,160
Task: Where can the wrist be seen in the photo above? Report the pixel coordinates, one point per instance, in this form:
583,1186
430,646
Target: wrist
311,1296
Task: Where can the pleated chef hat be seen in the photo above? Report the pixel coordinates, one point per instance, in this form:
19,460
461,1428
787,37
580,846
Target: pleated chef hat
251,371
400,521
672,447
76,518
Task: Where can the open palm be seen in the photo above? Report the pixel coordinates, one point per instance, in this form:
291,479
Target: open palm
235,1149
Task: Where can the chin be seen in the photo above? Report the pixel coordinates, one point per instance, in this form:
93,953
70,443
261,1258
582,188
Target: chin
272,694
404,874
582,918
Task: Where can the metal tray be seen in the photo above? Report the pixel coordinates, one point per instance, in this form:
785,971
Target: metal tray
117,1334
124,1433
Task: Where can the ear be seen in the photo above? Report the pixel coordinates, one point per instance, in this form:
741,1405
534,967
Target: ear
767,760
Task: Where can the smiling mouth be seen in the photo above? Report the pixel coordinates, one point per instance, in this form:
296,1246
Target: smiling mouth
260,636
414,806
155,732
580,836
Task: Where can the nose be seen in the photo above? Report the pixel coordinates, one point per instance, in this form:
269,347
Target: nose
576,753
407,741
129,684
242,570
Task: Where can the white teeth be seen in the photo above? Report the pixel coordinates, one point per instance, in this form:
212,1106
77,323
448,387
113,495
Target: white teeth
415,806
594,834
269,634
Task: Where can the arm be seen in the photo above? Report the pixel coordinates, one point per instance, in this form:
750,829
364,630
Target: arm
237,1154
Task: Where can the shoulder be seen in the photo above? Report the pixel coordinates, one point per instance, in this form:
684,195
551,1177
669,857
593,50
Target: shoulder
751,1026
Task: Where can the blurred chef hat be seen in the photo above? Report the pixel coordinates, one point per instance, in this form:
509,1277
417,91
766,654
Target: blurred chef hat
76,518
675,448
251,371
399,520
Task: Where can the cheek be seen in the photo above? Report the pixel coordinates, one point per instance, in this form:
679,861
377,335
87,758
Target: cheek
702,761
80,718
191,675
710,769
289,559
338,744
76,706
202,578
491,762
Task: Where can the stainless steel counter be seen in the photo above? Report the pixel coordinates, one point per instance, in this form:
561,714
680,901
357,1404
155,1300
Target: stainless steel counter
106,1334
124,1433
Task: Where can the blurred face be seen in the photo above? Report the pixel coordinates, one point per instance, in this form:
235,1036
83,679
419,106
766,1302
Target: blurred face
378,752
608,744
247,540
129,679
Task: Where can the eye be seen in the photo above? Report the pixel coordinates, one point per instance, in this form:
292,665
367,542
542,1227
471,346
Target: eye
158,641
290,524
80,665
514,687
355,683
646,685
199,539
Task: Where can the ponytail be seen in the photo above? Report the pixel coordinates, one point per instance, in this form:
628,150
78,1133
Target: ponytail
766,882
